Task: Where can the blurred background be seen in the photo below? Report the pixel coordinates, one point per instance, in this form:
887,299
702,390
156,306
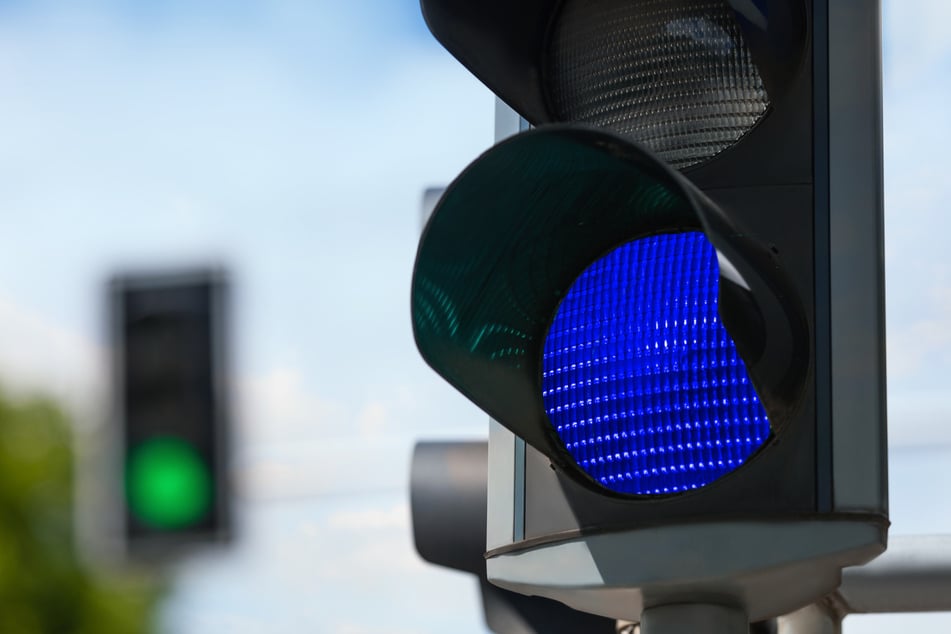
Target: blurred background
290,142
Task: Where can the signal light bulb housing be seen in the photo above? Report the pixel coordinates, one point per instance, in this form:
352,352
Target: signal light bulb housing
641,380
677,77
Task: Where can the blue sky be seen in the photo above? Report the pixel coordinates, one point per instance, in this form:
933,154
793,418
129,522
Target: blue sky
291,141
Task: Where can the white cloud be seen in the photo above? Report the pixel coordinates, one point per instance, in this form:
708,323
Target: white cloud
919,418
349,538
277,407
38,356
396,517
354,628
918,268
372,419
342,465
916,42
387,552
924,343
293,442
327,563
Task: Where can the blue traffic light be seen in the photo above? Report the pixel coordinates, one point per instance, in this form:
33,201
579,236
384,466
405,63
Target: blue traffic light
696,211
640,378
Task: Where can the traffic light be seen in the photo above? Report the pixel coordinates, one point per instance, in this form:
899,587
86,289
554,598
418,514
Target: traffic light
671,289
448,499
171,401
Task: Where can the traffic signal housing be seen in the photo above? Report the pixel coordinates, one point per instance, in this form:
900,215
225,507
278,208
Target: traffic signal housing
672,291
448,486
171,408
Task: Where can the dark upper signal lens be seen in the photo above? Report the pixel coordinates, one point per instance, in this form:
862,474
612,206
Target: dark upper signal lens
675,76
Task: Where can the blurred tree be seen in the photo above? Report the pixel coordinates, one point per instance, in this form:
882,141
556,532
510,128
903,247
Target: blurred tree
44,587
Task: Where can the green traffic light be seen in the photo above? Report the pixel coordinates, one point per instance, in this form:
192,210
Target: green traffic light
168,486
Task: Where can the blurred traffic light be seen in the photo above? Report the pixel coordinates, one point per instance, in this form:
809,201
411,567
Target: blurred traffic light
172,403
448,503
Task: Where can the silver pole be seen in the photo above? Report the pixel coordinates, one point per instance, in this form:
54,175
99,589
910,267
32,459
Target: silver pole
913,575
694,618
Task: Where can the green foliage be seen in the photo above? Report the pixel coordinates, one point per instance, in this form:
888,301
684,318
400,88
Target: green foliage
44,587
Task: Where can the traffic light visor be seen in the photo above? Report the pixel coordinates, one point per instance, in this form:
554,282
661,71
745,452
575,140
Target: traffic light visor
511,236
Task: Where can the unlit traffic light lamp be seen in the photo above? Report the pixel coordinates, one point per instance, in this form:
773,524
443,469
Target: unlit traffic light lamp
671,289
171,390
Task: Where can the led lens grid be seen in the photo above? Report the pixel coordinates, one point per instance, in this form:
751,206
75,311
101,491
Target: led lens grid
639,377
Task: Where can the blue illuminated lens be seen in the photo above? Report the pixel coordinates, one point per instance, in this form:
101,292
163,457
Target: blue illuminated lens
641,380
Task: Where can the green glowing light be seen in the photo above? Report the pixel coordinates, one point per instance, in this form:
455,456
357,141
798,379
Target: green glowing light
168,486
